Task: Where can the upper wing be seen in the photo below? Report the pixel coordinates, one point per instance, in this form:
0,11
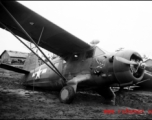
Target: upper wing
54,38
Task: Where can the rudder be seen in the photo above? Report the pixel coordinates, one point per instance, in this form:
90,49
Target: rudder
31,62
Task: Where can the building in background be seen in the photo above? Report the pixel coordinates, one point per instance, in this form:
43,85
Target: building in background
13,58
149,63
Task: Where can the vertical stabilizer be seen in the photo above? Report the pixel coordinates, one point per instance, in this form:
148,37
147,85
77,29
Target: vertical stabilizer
31,62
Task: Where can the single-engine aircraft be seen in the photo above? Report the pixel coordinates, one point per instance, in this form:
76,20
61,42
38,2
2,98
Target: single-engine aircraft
79,66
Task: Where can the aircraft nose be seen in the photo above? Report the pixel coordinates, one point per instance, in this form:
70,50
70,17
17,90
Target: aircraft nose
127,67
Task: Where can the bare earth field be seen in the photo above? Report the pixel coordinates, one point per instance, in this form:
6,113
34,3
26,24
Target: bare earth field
18,102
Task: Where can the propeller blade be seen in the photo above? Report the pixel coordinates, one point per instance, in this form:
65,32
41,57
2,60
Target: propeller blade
123,60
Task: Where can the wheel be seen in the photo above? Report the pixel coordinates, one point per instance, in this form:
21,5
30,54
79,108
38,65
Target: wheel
67,94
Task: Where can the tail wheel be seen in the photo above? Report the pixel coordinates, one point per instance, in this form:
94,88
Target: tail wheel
67,94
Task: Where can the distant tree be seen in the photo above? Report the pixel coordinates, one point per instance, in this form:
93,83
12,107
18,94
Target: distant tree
145,57
54,56
119,49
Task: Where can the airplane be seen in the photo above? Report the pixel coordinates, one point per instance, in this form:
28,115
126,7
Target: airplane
79,65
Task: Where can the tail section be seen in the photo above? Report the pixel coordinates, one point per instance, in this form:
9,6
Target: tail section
31,62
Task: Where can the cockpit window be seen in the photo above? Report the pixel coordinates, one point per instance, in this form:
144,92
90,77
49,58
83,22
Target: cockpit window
98,51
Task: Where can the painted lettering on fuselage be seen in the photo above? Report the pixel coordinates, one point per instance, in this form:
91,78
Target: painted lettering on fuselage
38,73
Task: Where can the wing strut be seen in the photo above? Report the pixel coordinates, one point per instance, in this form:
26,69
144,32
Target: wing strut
39,39
40,36
32,41
28,47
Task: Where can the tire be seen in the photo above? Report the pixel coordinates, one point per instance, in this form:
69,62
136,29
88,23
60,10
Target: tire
67,94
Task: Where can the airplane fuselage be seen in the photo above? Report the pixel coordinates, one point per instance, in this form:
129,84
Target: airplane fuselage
87,64
95,68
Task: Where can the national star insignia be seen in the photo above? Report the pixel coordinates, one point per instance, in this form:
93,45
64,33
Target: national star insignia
38,73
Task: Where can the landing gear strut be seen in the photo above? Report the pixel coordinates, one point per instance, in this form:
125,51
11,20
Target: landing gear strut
108,94
67,94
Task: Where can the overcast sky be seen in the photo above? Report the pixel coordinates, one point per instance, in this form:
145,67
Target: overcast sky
116,24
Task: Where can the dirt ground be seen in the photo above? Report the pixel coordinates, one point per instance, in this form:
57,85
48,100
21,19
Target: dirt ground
18,102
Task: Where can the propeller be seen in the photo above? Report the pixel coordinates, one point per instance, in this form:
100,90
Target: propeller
123,60
132,63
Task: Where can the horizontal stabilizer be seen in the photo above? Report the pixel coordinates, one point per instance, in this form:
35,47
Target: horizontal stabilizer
15,69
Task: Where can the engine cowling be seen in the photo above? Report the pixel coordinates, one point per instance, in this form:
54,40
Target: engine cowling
123,72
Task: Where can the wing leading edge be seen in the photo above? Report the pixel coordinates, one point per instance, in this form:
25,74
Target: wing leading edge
54,38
